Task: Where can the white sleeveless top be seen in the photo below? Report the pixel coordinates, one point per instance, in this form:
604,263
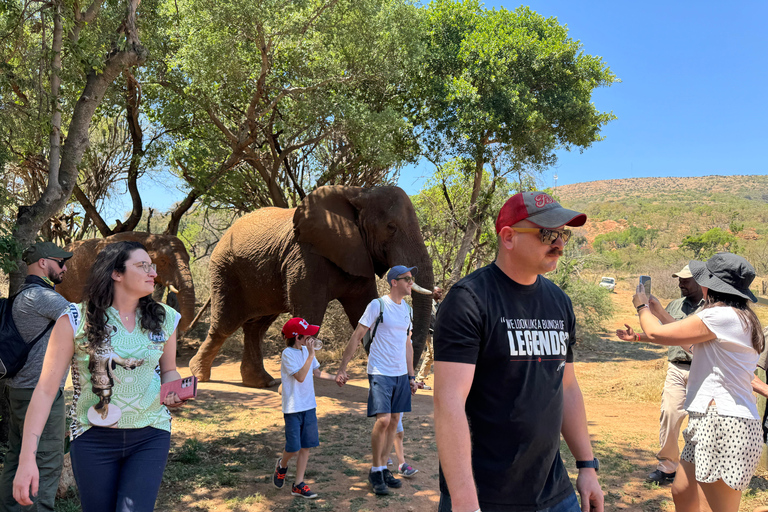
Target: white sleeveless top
722,368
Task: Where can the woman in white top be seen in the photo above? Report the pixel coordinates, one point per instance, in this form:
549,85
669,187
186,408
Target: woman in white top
723,440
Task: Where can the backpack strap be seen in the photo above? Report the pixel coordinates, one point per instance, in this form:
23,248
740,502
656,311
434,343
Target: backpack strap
379,319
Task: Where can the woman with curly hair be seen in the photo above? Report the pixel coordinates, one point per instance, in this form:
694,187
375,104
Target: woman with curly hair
122,346
723,441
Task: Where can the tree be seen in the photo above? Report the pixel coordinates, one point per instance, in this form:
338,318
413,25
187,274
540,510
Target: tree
58,61
497,82
442,207
707,244
311,95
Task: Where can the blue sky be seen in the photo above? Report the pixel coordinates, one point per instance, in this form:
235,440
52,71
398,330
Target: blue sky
691,101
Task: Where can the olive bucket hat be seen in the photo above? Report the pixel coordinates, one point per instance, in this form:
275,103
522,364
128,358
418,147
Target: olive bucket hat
725,273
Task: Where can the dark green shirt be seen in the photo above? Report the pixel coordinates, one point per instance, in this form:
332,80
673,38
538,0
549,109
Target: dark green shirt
679,309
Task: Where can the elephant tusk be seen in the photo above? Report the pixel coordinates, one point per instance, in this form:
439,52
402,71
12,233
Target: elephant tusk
173,288
421,290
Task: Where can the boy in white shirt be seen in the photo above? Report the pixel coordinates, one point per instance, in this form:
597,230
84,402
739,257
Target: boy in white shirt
297,362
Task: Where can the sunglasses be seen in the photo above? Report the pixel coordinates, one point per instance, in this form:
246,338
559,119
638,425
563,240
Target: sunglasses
146,267
407,279
547,236
60,263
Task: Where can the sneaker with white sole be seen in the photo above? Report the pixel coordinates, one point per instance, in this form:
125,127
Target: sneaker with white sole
406,471
303,490
278,478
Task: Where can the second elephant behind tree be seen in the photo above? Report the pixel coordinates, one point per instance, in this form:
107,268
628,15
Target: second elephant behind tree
166,251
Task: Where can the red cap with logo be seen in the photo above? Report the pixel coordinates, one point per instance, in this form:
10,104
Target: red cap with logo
296,326
538,208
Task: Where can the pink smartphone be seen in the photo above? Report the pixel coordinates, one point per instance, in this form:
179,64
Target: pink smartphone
186,388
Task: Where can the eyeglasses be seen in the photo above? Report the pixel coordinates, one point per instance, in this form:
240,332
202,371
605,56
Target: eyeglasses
407,279
146,266
60,263
547,236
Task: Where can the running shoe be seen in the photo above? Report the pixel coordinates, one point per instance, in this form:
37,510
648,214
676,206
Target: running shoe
303,490
278,479
406,471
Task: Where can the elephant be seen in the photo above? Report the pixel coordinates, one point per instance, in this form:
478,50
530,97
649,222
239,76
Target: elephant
166,251
332,246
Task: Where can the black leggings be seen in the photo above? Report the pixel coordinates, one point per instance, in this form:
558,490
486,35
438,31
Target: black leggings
120,469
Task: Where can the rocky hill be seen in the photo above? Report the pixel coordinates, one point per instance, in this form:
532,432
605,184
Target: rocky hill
675,206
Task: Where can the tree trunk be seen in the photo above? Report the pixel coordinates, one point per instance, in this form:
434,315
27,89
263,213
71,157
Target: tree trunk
132,102
181,209
59,188
92,212
473,222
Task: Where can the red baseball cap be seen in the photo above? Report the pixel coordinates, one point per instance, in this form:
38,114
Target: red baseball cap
538,208
296,326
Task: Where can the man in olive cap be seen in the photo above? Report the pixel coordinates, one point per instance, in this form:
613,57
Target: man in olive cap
36,307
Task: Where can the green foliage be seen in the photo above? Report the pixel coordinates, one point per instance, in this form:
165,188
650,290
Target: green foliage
709,243
10,251
512,78
617,240
443,208
291,95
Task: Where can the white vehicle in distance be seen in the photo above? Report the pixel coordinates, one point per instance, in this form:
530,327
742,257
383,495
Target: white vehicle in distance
609,283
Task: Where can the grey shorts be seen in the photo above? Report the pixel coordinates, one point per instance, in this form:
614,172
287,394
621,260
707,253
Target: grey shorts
723,447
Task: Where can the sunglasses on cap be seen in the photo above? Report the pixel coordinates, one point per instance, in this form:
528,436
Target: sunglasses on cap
547,236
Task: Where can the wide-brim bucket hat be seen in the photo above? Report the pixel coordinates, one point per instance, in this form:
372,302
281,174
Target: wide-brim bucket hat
725,272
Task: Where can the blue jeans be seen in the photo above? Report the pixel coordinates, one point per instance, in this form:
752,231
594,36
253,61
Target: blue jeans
119,469
569,504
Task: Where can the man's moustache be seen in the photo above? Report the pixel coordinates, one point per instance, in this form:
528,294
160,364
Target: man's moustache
555,250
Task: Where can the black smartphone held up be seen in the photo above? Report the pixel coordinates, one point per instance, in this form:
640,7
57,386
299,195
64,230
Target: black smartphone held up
646,281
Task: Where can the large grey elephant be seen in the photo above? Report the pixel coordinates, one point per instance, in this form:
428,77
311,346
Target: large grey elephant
166,251
332,246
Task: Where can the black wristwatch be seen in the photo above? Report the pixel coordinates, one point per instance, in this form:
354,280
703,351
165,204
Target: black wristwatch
594,464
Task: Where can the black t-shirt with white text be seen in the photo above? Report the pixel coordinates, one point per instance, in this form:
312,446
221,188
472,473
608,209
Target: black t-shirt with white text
519,339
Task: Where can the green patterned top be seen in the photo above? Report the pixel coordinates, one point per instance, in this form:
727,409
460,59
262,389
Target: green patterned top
135,391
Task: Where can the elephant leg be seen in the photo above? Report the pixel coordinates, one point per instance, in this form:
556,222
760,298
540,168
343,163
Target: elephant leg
200,364
252,368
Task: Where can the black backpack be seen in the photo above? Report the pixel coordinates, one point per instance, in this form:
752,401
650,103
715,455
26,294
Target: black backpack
13,349
368,337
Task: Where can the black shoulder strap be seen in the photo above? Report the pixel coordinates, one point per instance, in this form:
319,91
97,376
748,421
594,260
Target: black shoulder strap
379,319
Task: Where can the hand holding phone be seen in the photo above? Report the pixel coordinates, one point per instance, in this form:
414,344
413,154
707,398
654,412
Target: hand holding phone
185,388
646,282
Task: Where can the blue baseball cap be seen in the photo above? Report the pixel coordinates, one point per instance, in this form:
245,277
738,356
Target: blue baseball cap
399,270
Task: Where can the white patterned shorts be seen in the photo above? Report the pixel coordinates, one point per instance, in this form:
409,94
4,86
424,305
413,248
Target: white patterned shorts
723,447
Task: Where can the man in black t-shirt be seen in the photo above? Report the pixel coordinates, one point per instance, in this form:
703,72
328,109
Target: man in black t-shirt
505,387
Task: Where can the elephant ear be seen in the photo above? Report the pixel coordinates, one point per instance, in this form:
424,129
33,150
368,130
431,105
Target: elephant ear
327,220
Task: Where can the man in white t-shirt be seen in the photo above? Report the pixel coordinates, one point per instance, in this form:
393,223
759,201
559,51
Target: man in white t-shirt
390,369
